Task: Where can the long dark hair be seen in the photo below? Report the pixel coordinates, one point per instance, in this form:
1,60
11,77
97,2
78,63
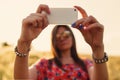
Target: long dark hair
56,52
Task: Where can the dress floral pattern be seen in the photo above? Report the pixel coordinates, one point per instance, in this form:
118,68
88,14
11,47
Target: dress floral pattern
72,72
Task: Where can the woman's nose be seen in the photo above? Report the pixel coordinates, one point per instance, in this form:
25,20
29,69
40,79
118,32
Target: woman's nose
61,37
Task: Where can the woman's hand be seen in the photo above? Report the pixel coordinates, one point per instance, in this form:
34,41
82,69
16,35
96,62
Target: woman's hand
91,30
34,24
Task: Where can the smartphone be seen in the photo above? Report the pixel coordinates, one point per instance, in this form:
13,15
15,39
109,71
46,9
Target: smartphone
62,15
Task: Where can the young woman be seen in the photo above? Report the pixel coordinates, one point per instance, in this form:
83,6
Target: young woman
65,65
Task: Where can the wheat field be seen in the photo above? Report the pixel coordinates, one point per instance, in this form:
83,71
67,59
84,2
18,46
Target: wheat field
7,58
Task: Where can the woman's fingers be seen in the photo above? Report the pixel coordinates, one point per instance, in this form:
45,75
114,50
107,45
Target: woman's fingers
82,11
78,23
43,10
41,19
34,21
85,22
97,26
43,7
89,20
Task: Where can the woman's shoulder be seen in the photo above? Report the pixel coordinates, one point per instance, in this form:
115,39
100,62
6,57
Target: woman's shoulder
88,62
43,62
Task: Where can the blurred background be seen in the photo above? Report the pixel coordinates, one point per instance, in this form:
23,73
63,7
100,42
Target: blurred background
11,15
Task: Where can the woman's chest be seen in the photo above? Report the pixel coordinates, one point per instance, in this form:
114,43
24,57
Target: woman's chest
68,72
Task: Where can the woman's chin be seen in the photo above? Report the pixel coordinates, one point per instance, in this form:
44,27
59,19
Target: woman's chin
63,48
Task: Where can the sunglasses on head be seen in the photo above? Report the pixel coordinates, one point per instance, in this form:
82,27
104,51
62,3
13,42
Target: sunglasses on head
65,34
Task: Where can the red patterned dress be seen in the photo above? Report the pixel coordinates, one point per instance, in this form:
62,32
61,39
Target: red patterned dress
72,72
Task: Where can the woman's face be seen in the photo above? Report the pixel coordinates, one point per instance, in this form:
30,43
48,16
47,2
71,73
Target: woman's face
63,39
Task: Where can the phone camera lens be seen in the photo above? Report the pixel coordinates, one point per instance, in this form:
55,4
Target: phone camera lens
74,9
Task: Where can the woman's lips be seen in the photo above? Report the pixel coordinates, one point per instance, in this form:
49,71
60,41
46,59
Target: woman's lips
64,42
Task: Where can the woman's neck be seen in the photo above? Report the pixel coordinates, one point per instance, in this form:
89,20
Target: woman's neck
66,54
66,57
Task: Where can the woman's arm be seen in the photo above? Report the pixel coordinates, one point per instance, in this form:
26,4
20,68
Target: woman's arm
31,28
92,32
98,71
21,68
21,63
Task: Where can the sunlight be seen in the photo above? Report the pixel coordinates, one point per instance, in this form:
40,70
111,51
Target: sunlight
11,16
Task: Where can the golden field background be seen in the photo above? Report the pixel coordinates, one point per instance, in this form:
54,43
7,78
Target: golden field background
7,57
